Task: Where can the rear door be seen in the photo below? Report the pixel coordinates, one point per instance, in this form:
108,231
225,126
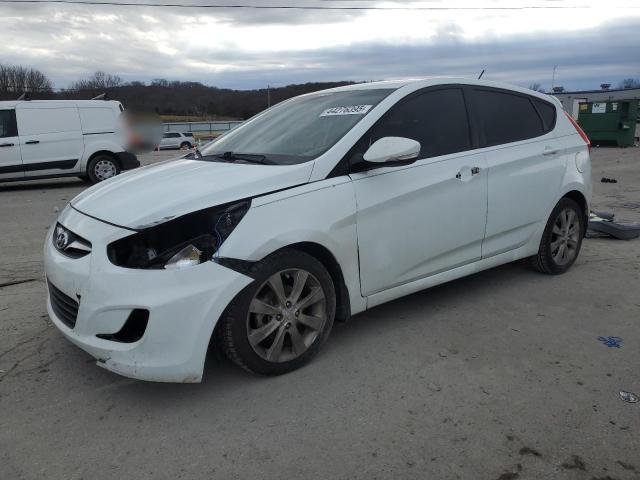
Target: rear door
10,159
525,164
50,139
427,217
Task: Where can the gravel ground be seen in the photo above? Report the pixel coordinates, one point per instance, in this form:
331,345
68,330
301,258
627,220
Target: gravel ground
496,376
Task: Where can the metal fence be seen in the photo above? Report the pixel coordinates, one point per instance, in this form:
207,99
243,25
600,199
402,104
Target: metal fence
200,127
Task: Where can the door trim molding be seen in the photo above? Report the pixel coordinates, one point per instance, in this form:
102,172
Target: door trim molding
30,167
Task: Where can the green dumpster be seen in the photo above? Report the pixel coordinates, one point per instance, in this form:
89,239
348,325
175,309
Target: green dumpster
609,123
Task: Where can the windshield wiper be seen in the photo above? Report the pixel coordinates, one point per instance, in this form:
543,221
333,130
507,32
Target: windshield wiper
246,157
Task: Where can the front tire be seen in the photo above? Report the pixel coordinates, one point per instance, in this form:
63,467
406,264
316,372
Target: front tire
562,238
102,167
185,146
280,321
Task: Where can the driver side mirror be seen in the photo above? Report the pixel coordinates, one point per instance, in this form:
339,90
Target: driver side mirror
392,149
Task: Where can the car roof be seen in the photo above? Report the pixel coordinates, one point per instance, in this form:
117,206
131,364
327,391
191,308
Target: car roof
61,103
416,83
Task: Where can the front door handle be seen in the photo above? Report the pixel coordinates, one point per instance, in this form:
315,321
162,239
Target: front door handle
6,144
31,142
475,170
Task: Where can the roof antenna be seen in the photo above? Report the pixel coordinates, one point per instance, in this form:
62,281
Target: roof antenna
102,96
481,73
24,96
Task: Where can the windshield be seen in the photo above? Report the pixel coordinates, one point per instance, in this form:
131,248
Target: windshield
298,130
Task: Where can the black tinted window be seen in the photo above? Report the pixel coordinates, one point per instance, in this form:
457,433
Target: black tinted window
436,119
8,123
171,135
547,112
506,117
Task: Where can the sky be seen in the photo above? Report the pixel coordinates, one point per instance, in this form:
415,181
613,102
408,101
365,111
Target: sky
253,48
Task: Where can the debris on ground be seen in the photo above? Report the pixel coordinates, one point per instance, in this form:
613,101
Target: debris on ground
629,397
575,464
530,451
601,224
611,342
608,180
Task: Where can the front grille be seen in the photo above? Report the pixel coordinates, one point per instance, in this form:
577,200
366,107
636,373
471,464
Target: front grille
65,307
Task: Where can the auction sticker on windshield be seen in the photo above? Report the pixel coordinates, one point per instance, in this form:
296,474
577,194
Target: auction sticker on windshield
346,110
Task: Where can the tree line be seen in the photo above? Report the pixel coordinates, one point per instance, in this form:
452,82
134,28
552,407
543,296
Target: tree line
165,97
160,96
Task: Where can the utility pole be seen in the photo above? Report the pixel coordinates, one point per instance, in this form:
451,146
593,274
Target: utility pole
553,78
268,95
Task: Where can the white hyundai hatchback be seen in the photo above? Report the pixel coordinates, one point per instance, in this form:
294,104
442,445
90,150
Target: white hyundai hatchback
316,209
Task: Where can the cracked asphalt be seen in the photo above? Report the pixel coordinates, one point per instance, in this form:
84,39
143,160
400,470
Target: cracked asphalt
497,376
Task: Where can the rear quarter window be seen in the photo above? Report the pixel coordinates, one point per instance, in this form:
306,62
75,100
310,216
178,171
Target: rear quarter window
506,117
548,113
97,119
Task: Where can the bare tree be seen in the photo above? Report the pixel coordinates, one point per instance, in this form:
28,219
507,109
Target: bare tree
16,79
629,83
98,81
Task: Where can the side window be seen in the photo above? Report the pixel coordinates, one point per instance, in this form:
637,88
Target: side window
548,113
8,127
506,117
437,119
36,121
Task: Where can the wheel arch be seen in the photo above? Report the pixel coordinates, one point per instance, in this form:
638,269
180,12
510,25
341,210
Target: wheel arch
579,197
321,254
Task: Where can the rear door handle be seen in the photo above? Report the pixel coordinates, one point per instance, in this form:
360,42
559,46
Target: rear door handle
31,142
6,144
549,151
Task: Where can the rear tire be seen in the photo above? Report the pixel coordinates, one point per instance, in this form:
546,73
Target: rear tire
279,322
561,240
102,167
185,146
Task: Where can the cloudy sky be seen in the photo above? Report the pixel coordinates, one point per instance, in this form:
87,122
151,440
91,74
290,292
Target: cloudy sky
590,41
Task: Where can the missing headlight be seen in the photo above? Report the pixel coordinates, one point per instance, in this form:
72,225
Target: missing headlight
183,241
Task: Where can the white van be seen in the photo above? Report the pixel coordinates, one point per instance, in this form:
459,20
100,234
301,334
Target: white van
56,138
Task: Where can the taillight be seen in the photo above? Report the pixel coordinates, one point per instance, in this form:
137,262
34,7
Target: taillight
579,130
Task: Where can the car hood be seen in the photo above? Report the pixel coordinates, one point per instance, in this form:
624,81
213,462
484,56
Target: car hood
160,192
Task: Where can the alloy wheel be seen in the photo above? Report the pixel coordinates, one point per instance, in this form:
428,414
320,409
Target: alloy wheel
286,315
565,236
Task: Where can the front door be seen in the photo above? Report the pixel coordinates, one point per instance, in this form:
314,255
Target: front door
10,159
427,217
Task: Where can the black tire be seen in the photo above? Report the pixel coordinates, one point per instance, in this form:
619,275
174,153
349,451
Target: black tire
185,146
234,328
545,261
94,176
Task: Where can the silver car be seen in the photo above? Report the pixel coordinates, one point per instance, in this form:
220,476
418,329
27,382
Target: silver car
181,140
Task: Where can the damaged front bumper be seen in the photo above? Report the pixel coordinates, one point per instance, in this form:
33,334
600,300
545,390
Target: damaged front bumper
183,306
